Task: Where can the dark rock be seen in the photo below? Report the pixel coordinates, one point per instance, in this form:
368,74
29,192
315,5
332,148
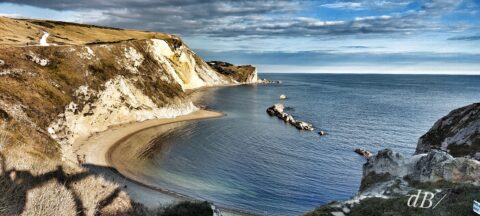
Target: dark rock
458,132
364,153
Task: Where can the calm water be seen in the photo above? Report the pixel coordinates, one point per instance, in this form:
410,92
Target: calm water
248,160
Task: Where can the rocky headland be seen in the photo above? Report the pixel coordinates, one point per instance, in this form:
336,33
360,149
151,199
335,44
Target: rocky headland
444,164
63,82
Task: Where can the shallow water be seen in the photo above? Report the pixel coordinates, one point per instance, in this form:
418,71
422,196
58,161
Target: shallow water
248,160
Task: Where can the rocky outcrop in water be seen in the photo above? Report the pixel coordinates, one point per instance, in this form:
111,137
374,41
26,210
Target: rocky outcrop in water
266,81
278,110
363,152
458,133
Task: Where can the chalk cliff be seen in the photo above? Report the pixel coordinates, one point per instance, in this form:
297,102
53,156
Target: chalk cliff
84,79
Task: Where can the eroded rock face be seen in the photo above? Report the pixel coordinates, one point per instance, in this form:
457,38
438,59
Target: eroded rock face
80,90
385,161
458,132
120,102
430,167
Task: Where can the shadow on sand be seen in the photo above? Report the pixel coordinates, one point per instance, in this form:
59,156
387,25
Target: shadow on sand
19,182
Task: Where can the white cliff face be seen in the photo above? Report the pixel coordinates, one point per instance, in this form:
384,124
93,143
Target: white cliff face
154,76
133,60
120,102
183,66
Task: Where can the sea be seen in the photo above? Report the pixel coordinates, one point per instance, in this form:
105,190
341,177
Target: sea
250,161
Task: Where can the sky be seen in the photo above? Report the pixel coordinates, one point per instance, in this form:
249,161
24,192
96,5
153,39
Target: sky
313,36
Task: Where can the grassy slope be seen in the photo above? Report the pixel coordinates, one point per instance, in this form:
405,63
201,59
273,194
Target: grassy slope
19,32
33,180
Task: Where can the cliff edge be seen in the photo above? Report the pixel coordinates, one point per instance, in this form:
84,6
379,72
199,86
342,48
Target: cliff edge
458,133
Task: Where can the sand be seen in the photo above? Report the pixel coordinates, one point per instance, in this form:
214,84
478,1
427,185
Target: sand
93,151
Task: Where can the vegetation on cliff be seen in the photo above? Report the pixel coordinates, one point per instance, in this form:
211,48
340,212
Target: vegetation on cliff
81,80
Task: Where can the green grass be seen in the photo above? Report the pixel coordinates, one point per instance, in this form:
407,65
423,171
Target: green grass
458,200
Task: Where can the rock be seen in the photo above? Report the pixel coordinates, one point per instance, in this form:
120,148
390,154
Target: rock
337,213
303,125
2,62
477,156
365,153
265,81
322,133
346,210
432,167
439,165
289,119
283,97
34,58
278,110
458,132
385,161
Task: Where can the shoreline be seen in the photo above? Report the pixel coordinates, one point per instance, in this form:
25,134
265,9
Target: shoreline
96,150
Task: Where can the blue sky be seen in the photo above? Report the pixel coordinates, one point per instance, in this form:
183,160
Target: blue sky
335,36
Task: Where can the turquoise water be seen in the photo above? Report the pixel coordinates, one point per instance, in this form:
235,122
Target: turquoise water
248,160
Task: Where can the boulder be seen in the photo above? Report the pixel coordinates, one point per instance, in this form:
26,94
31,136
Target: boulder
385,161
477,156
303,125
322,133
276,109
439,165
364,153
283,97
431,167
289,119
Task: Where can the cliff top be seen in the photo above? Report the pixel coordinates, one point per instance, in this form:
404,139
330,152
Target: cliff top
22,32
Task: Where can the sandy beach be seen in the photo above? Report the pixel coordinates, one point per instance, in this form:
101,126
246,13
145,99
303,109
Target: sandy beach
95,149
